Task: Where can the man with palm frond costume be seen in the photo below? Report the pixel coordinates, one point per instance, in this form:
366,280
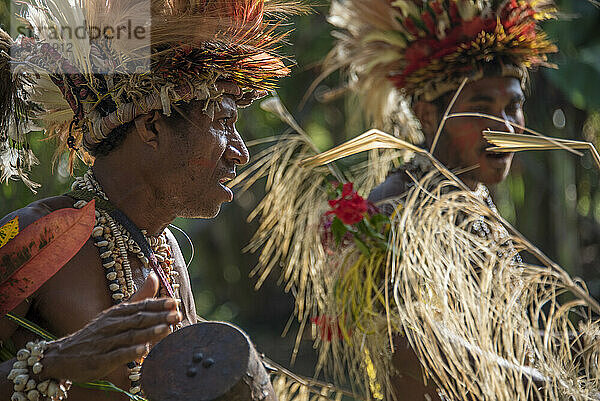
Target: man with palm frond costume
442,268
439,45
154,117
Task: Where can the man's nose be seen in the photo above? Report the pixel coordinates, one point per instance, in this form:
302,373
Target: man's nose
503,123
236,150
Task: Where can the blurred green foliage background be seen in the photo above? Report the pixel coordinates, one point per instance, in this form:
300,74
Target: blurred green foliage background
553,198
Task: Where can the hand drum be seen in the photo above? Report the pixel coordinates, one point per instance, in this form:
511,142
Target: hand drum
204,362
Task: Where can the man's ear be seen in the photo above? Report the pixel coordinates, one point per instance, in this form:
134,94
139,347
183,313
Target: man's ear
145,127
428,115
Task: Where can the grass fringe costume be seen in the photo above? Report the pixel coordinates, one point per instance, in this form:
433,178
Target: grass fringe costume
443,267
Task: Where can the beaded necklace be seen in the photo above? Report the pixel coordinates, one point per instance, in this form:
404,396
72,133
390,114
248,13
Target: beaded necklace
115,244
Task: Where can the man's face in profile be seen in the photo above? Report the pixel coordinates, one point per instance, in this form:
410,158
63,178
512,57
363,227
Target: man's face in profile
202,156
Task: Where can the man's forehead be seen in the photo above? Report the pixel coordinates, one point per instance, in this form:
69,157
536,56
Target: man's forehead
225,102
493,87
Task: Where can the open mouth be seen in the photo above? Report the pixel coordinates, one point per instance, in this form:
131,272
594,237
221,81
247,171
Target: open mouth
496,155
223,183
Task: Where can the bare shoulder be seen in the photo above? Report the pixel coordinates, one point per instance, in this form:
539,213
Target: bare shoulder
57,305
38,209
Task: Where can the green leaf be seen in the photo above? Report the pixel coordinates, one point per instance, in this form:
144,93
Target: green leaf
108,386
379,221
362,246
338,229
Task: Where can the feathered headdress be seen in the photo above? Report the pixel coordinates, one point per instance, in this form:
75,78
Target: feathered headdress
91,66
424,49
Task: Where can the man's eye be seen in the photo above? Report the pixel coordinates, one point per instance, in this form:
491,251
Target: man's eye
481,108
513,108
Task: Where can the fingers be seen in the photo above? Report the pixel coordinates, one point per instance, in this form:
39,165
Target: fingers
122,356
138,320
147,305
148,290
137,337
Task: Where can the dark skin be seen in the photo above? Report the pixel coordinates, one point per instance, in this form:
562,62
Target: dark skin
165,171
460,145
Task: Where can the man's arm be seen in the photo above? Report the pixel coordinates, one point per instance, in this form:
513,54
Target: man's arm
116,336
394,185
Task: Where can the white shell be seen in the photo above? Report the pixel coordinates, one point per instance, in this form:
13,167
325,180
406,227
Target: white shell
43,386
21,379
30,385
135,390
135,377
30,345
36,351
111,276
18,396
113,287
37,368
33,395
97,231
101,243
32,360
117,296
79,204
62,392
16,372
109,264
23,354
52,389
19,387
20,365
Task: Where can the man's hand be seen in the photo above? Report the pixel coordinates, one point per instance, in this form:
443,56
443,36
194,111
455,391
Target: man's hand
116,336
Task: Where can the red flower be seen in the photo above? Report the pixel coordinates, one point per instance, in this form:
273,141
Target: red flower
350,208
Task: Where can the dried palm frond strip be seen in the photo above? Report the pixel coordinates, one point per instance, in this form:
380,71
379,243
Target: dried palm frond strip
509,142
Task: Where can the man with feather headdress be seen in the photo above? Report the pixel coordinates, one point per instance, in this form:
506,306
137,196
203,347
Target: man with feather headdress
155,120
410,60
361,286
